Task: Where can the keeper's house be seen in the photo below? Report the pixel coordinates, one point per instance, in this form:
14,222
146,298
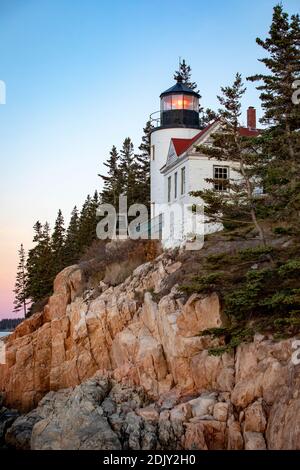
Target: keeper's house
177,168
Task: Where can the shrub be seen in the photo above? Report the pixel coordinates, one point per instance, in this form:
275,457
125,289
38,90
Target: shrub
252,254
283,230
115,260
204,284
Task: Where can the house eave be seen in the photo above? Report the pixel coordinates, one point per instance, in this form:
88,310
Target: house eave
184,157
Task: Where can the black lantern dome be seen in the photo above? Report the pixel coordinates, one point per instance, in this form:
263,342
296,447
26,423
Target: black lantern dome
179,106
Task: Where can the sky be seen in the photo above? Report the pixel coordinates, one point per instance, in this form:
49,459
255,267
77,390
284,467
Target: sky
81,75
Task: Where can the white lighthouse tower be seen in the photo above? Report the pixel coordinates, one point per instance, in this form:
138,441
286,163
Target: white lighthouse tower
179,119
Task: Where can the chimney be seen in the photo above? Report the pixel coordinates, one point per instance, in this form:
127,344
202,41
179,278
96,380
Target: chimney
251,117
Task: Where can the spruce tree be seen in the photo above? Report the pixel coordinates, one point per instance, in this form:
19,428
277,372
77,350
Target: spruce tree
71,242
143,170
88,222
185,75
236,204
40,265
206,116
94,218
145,145
20,302
281,115
57,244
112,181
129,172
83,224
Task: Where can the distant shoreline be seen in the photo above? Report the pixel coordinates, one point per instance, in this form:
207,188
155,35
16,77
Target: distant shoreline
5,333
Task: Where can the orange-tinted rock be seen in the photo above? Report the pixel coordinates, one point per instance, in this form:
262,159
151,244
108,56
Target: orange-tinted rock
126,334
234,436
194,437
255,418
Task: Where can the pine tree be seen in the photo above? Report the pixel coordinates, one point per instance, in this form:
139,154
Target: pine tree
129,171
20,302
57,244
281,115
112,183
40,265
88,222
94,218
145,145
206,117
143,171
185,75
237,203
83,224
71,242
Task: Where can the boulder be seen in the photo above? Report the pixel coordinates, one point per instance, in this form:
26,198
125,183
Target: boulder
255,418
7,417
234,436
221,411
254,441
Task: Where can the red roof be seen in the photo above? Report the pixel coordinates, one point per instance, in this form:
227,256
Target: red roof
182,145
247,132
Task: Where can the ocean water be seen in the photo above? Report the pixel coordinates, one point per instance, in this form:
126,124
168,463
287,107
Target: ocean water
4,333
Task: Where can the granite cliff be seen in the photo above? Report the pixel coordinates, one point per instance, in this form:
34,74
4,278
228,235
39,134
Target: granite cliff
130,369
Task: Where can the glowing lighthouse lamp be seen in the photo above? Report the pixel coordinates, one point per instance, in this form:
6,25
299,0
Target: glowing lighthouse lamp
179,118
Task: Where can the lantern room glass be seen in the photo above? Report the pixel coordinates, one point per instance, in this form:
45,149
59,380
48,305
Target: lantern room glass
166,103
177,101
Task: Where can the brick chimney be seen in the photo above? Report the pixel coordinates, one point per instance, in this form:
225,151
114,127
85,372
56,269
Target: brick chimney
251,117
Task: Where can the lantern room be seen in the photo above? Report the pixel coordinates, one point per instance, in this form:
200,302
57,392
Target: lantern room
179,106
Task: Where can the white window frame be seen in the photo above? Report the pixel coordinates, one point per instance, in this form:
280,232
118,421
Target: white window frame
222,167
183,181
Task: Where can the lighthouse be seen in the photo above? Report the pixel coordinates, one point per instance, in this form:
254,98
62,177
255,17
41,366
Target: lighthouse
179,119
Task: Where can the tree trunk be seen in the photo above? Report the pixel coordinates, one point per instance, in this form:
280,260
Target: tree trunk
252,211
291,154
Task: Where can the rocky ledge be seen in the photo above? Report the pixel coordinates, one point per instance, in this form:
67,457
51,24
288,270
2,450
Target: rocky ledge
156,386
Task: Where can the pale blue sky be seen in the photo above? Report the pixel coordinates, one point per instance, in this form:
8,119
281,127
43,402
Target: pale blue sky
81,75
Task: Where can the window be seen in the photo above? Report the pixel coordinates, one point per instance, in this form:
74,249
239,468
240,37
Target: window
177,101
169,189
166,103
221,178
183,180
170,102
188,102
152,152
175,185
